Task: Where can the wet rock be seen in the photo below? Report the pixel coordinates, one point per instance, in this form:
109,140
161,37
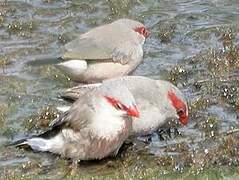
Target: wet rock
210,127
178,75
166,32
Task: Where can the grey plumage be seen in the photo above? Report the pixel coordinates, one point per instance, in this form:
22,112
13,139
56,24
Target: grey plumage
104,52
110,41
151,98
91,129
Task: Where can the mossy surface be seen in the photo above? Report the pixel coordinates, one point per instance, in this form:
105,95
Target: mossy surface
192,44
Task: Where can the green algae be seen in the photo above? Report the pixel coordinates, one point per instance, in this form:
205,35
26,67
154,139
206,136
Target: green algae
207,149
42,119
22,28
166,32
3,112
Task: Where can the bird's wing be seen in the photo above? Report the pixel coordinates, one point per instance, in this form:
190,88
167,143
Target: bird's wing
132,82
78,116
74,93
87,49
103,44
60,120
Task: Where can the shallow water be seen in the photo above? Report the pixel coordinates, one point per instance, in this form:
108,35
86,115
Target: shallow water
193,43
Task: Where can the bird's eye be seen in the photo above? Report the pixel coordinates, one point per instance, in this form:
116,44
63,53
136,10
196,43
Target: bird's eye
118,106
180,112
143,30
121,106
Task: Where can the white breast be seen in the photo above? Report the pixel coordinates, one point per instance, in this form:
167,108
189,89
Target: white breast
107,121
149,121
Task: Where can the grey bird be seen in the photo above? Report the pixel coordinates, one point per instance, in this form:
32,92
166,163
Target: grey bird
104,52
160,102
94,127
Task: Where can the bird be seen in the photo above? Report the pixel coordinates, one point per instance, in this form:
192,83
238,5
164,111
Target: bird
107,51
93,128
161,104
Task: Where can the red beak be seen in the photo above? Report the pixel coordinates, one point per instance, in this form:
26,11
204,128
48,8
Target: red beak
183,119
147,33
133,111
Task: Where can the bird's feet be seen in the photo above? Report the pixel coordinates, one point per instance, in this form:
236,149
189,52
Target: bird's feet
72,171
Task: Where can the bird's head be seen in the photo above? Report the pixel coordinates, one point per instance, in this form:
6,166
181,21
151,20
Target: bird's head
179,105
135,26
121,99
142,31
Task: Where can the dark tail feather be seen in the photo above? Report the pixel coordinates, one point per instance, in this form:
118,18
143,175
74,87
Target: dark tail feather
22,143
69,97
50,133
45,61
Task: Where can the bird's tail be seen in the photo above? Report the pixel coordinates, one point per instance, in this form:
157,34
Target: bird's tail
19,143
47,60
63,108
73,68
40,143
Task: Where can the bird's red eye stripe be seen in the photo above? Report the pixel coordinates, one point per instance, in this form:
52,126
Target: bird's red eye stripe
111,100
130,111
180,106
142,30
116,103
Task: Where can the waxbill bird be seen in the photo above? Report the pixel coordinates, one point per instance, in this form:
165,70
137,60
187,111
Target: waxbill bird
160,102
94,127
104,52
